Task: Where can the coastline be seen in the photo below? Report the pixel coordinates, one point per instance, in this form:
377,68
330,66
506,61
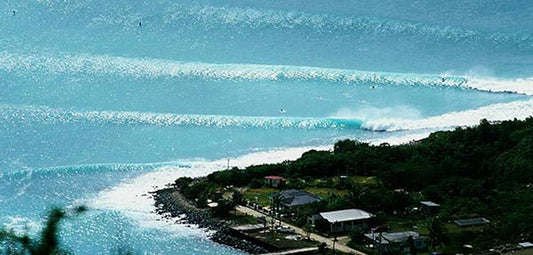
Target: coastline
171,205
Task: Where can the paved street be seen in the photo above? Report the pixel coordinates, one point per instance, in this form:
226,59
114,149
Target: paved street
313,236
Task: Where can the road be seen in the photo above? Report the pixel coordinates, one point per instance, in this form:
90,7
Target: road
313,236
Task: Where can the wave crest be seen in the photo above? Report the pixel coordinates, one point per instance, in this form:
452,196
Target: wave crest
47,115
154,68
495,112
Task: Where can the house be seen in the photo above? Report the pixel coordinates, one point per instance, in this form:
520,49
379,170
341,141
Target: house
397,242
429,207
471,222
291,199
343,220
274,181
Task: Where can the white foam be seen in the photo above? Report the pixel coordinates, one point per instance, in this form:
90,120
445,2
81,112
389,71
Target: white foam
495,112
129,197
21,225
520,85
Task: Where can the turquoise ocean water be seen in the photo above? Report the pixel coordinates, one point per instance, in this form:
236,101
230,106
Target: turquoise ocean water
102,101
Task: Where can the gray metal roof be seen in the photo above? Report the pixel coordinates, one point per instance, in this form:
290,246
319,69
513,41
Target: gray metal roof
345,215
293,197
471,222
385,237
429,203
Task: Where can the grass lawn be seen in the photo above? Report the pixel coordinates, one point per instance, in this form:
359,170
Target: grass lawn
325,192
240,219
262,194
364,179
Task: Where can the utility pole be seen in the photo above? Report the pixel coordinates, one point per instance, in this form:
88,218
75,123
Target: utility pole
334,239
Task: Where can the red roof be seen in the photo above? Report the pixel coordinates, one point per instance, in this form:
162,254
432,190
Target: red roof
274,177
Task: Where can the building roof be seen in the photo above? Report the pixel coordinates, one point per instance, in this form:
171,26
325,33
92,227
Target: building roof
429,203
471,222
249,227
526,245
212,205
384,238
345,215
274,177
294,197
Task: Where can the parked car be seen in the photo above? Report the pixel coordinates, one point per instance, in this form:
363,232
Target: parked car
285,229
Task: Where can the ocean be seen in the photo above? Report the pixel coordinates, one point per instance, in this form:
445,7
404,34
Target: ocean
104,101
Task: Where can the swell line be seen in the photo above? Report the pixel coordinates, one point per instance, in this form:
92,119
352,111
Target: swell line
252,18
154,68
105,65
89,168
47,115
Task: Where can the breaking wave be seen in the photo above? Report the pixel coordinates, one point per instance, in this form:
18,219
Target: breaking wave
153,68
158,68
495,112
47,115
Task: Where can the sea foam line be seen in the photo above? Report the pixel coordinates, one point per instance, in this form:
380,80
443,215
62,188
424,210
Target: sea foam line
47,115
104,65
129,197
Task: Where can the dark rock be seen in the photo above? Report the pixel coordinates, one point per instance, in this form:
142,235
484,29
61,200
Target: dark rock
170,208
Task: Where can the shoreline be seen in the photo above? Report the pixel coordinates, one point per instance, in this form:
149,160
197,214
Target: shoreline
171,205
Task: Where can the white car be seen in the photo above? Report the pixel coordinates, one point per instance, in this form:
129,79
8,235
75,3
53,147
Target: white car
285,229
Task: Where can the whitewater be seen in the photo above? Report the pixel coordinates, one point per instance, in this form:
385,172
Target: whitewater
102,102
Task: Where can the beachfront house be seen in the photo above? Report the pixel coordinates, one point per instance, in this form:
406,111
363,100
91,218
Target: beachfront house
292,199
274,181
342,220
398,242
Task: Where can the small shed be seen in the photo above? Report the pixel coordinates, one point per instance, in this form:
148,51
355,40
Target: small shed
429,207
471,222
274,181
397,242
526,245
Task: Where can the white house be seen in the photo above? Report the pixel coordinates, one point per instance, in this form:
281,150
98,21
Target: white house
343,220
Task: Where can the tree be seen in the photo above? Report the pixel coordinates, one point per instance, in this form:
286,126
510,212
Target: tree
436,232
223,208
344,146
308,228
49,241
412,247
237,197
357,235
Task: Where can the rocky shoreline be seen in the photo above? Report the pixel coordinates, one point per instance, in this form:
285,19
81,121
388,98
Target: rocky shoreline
173,206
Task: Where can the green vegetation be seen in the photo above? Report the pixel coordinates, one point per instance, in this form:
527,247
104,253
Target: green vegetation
11,243
262,195
484,171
